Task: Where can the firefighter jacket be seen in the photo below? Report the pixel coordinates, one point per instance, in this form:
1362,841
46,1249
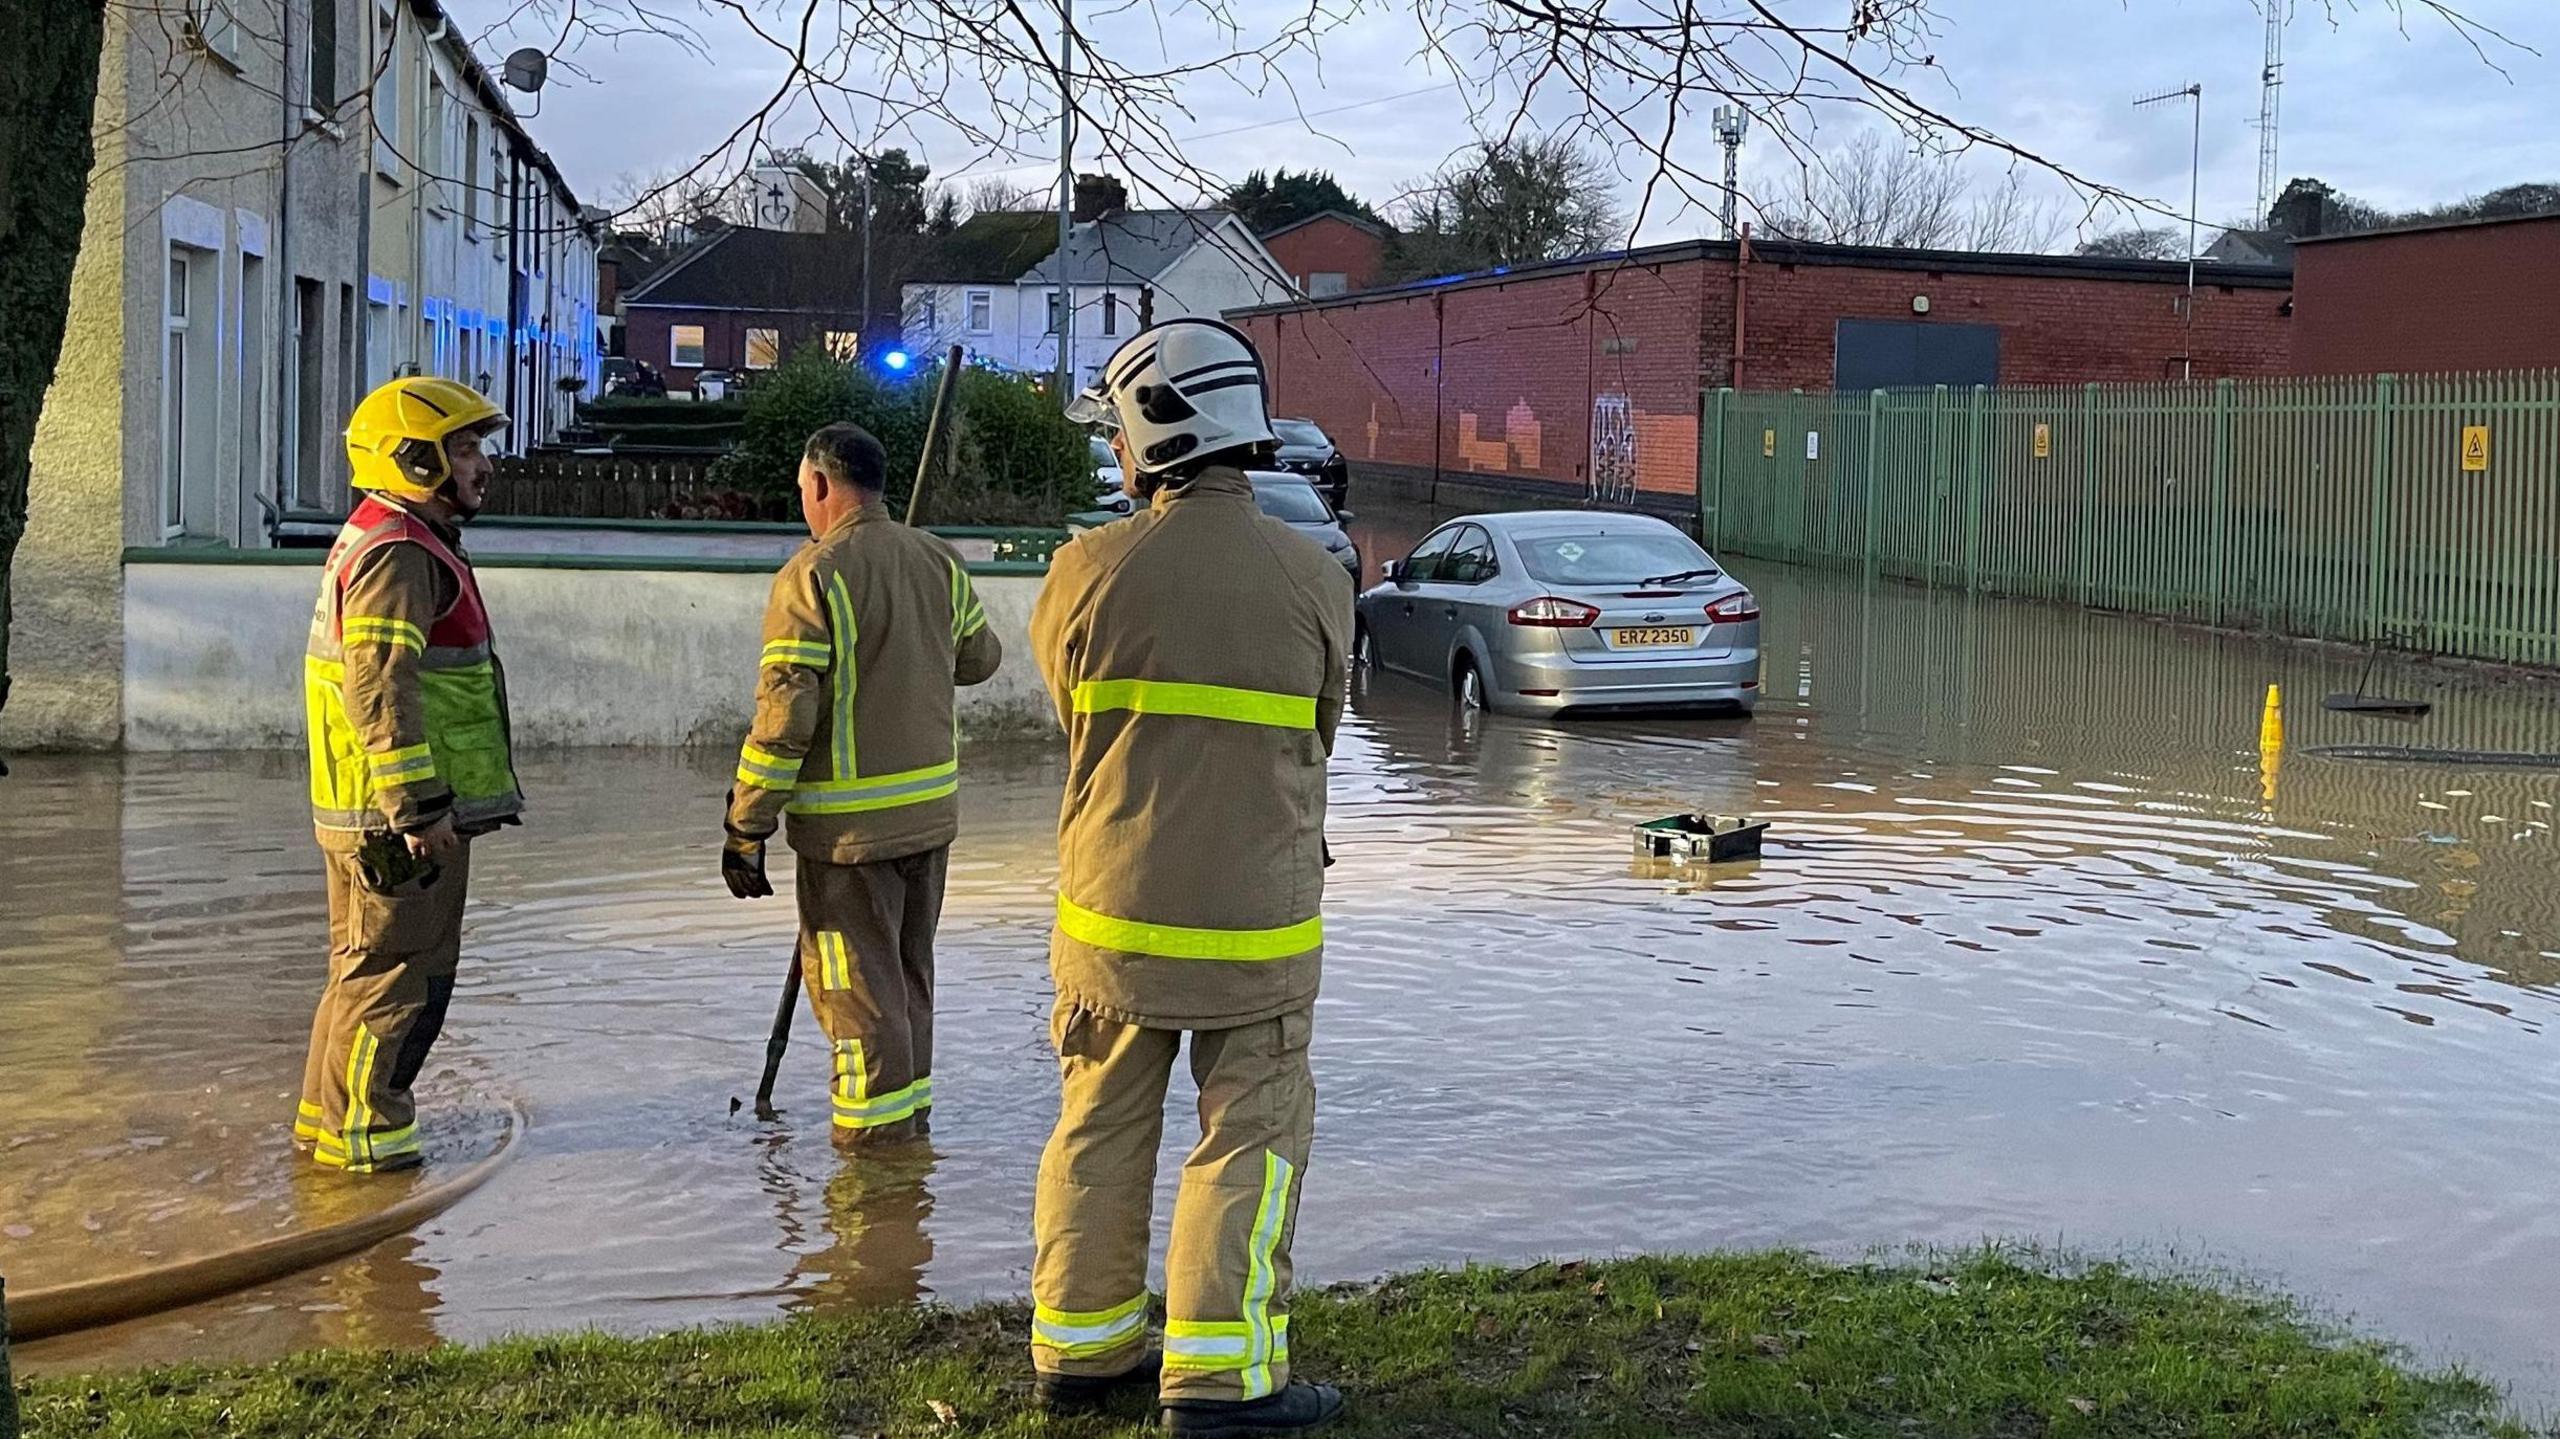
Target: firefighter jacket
405,704
855,741
1196,653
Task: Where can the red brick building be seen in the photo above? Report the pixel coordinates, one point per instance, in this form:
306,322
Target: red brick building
2476,295
1329,253
744,298
1505,375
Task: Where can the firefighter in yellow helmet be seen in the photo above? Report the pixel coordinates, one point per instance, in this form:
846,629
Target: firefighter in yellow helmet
1196,654
407,714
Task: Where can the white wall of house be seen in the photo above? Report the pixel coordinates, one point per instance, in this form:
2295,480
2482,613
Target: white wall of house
461,208
984,319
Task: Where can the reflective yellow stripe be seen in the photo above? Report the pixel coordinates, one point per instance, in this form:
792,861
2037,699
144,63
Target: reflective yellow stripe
403,766
1217,1345
813,654
889,1108
360,1053
381,629
1168,697
1262,1275
835,966
1085,1334
840,616
853,1082
1172,941
885,791
763,769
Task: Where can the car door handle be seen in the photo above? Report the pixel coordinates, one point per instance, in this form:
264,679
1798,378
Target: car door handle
1450,613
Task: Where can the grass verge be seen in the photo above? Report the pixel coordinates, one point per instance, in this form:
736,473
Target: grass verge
1747,1345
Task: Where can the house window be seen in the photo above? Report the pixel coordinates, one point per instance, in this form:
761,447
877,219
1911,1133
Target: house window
471,177
432,143
845,345
386,96
982,312
1053,312
684,346
322,46
216,29
174,432
1110,312
930,311
764,349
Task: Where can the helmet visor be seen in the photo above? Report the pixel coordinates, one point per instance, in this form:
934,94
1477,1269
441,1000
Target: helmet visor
1093,407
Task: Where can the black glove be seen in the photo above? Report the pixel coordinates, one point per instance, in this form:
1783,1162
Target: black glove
742,865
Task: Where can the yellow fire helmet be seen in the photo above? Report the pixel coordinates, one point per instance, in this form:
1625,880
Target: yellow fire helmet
395,439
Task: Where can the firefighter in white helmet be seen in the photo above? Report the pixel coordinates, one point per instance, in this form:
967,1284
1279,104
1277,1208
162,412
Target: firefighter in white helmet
407,709
1196,653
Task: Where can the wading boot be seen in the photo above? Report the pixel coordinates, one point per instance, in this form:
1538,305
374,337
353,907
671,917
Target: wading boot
1091,1393
1300,1407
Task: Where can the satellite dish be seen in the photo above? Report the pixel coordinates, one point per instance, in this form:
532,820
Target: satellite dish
526,69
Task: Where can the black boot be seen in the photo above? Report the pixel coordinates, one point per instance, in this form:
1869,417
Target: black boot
1091,1393
1301,1406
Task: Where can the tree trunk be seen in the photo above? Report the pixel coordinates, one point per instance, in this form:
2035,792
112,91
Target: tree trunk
48,88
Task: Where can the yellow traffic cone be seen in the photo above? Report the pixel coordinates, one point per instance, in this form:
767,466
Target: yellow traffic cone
2271,722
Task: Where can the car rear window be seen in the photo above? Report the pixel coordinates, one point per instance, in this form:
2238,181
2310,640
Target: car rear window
1102,452
1298,432
1292,504
1608,559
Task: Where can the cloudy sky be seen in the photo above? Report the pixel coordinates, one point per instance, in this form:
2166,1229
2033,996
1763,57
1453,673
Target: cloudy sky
2399,110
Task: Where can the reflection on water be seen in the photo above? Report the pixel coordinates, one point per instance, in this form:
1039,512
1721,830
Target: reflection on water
2031,952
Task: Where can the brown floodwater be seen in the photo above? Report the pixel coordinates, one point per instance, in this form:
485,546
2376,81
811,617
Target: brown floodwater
2039,950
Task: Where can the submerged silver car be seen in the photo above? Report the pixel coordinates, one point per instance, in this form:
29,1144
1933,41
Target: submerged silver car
1554,610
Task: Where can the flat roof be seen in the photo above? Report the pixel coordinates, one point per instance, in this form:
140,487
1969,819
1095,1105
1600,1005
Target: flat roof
2431,227
1805,252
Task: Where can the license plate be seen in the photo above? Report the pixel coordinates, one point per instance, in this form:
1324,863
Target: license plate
1642,639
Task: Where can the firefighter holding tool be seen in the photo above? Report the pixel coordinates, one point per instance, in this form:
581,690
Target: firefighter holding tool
406,706
854,749
1196,654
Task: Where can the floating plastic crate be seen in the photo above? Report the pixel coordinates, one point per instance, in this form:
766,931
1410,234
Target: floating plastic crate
1714,838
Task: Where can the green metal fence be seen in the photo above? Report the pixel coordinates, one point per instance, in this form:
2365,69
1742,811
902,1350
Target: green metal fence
2423,511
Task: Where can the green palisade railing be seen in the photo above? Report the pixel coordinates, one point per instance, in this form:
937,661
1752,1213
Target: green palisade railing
2336,509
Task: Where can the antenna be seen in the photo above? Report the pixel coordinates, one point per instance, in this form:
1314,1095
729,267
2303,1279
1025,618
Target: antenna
1732,123
2270,86
2194,96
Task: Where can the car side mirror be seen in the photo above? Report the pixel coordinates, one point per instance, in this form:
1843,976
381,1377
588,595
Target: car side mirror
1395,571
1344,516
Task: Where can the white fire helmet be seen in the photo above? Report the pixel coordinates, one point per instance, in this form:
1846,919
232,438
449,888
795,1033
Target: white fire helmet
1186,388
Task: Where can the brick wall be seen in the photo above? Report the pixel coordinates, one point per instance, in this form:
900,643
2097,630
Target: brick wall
1508,378
647,332
1326,245
2472,297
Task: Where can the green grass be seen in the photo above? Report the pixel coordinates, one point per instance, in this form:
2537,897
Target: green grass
1988,1343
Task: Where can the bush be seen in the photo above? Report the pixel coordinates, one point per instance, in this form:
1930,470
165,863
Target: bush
1013,458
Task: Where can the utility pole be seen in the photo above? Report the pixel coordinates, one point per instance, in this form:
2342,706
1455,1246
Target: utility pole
2194,96
2270,85
1066,199
862,337
1732,123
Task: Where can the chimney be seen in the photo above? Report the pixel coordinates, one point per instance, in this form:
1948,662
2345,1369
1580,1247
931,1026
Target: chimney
1099,195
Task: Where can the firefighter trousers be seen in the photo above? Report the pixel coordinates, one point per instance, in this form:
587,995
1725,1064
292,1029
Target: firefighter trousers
866,960
392,959
1227,1269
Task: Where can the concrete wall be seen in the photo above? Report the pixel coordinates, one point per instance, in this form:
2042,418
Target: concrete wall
213,654
1508,379
2464,297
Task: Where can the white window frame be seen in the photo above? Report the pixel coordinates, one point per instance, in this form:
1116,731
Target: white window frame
215,30
470,175
676,347
773,351
982,312
432,146
176,320
1056,301
1110,312
386,97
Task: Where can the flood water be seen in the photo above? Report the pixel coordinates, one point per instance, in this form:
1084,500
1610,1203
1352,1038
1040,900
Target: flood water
2039,950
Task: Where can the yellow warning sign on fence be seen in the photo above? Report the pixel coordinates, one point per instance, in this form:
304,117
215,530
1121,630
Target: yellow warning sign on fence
2475,448
1768,444
2044,442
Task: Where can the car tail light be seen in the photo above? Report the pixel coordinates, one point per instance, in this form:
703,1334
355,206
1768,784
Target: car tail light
1733,609
1548,612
